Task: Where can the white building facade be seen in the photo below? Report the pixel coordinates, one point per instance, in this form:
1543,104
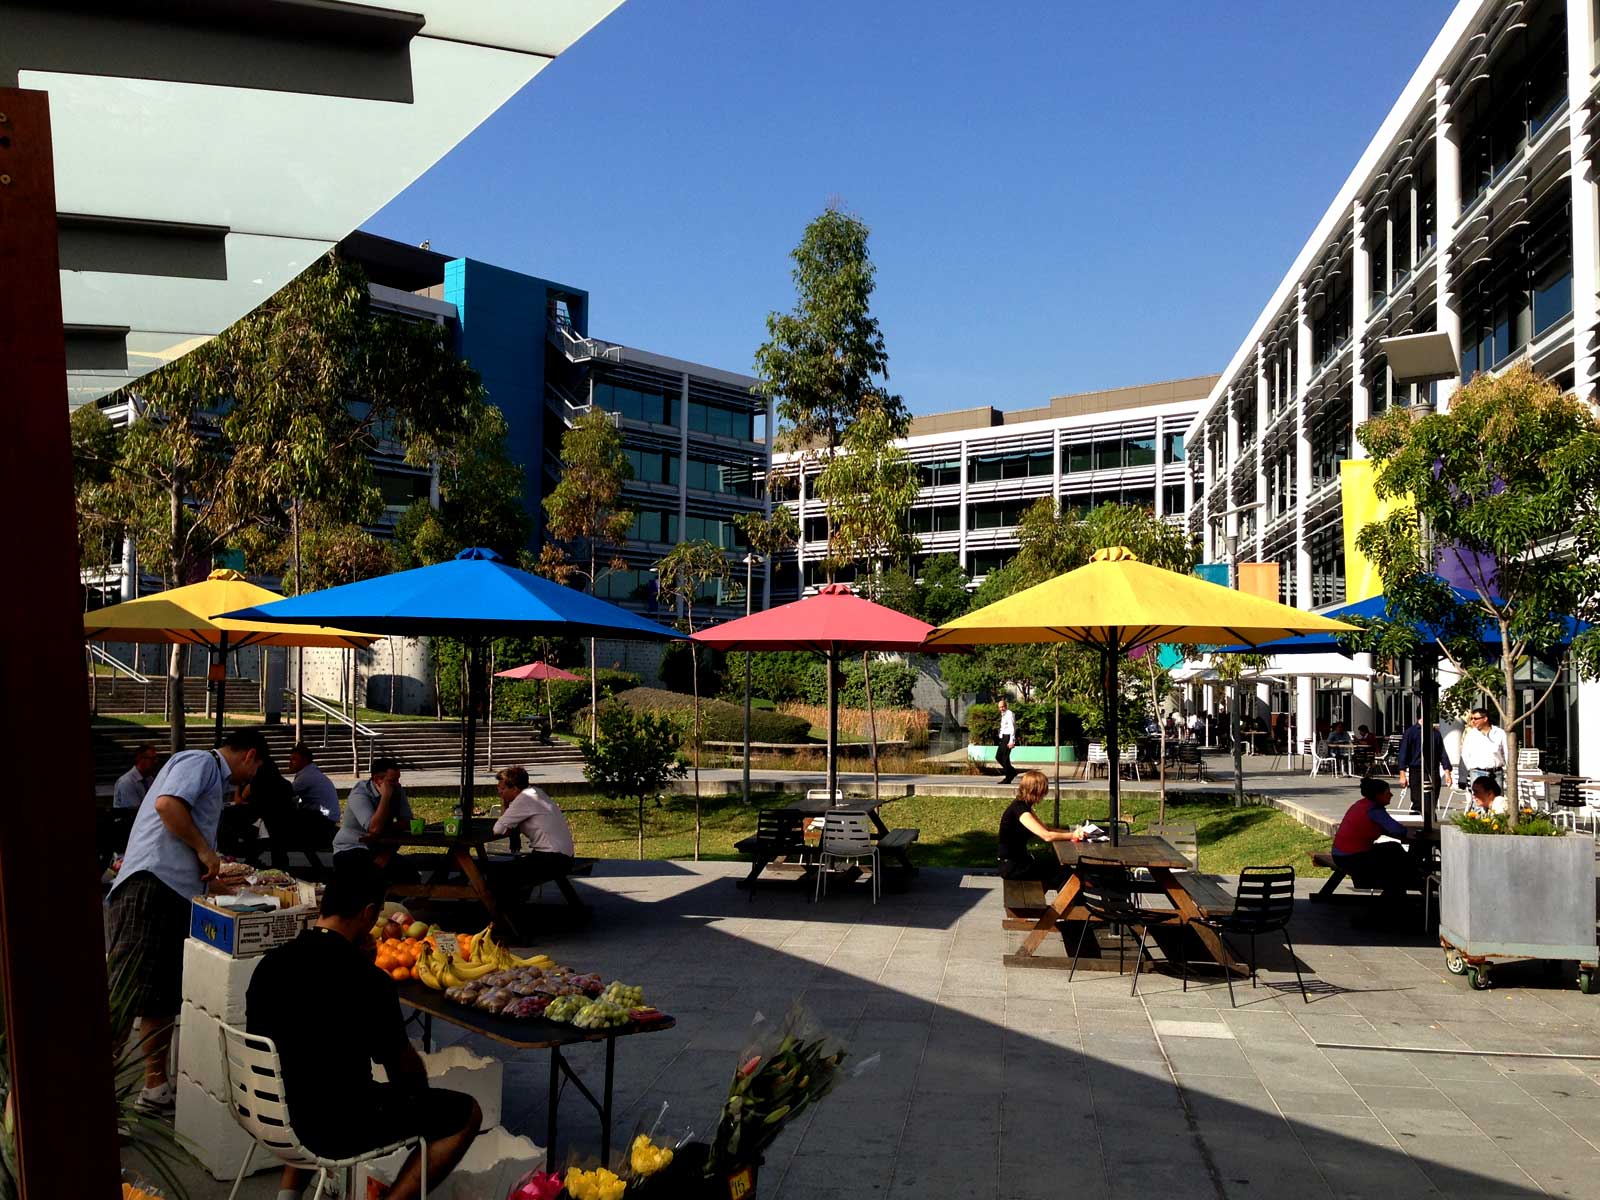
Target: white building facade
981,468
1474,212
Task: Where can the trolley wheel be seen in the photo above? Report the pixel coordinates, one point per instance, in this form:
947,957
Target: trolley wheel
1478,977
1589,982
1455,962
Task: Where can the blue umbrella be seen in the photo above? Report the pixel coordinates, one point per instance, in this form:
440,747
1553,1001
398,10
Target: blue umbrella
474,597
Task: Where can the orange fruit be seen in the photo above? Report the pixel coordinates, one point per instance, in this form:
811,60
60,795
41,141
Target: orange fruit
386,961
400,974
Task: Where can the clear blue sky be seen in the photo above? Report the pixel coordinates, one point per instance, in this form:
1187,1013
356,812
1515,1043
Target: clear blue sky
1071,196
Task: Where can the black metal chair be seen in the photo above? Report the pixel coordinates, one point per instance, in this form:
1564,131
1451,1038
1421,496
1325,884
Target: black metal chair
1107,890
1264,903
1189,758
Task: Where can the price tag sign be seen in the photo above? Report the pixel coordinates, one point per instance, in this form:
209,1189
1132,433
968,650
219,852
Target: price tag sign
741,1183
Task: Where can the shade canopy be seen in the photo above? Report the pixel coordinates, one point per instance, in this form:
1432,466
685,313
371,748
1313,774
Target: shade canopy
473,594
1117,603
1376,608
190,615
537,670
835,620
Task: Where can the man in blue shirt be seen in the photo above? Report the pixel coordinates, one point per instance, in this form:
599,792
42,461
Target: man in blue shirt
376,806
1409,761
171,853
129,790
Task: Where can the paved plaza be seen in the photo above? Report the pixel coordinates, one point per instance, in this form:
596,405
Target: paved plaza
984,1081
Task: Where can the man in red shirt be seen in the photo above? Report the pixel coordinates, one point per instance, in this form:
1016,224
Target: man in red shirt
1357,850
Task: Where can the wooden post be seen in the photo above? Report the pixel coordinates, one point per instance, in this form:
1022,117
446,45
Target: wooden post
57,1032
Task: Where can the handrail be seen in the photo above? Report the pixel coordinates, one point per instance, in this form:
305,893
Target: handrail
100,654
336,714
582,349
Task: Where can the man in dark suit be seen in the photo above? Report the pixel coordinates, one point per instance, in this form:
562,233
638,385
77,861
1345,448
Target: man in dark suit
1410,761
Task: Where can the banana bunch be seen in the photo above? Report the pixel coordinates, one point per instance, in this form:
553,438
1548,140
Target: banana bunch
438,970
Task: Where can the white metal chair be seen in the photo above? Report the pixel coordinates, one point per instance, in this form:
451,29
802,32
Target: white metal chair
1129,759
846,838
256,1095
1098,759
1528,760
1455,794
1317,752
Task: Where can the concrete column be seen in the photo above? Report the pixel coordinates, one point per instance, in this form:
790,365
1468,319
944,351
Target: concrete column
1361,695
130,569
1302,453
1261,454
1230,523
1585,199
1055,475
1447,210
963,513
1361,300
1588,729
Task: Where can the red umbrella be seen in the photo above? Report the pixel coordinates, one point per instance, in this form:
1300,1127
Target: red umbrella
833,622
537,670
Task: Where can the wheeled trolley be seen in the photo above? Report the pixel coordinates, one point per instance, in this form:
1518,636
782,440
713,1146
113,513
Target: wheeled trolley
1476,967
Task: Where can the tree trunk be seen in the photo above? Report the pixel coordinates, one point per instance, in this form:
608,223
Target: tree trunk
1238,748
872,719
1055,815
641,828
1508,715
176,739
594,682
299,651
694,677
488,748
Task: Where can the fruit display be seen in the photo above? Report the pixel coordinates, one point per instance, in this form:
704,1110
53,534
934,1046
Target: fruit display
564,1008
399,945
600,1014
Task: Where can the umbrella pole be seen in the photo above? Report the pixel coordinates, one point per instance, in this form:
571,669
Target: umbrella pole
469,738
833,725
872,720
1108,675
222,672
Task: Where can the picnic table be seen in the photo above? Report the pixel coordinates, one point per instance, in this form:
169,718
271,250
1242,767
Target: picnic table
534,1033
894,842
467,852
1191,894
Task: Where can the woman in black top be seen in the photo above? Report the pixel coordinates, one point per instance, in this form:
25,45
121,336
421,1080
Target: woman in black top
1018,826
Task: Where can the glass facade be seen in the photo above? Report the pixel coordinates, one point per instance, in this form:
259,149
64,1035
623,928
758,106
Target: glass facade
997,514
1114,453
939,474
724,422
985,468
653,466
944,518
1517,293
637,403
981,562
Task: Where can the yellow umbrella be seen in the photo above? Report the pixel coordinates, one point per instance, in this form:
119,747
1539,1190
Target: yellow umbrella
1115,603
187,615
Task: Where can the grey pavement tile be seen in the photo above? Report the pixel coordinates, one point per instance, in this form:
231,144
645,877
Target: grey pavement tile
1360,1067
1455,1066
1295,1104
1098,1021
1209,1025
1384,1098
1122,1047
1251,1028
1206,1056
1025,1014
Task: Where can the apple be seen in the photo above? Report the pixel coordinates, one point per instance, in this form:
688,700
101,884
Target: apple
392,930
418,931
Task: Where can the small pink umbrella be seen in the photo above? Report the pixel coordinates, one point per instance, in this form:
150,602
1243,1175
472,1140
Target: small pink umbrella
543,671
537,670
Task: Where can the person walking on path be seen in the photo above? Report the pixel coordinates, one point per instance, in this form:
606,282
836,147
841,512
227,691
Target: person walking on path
171,854
1483,749
1006,740
1409,761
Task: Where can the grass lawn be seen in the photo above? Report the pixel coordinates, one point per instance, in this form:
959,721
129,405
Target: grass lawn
957,831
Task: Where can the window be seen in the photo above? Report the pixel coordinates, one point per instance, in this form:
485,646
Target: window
1525,88
816,529
1140,452
1172,447
402,490
997,514
1108,454
981,562
653,525
1079,456
984,468
1172,499
724,478
716,530
939,474
634,584
944,518
723,422
637,403
1520,291
1138,497
653,466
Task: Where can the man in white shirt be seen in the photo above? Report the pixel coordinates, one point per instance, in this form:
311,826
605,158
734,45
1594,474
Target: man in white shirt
1007,739
132,784
311,786
527,812
1483,748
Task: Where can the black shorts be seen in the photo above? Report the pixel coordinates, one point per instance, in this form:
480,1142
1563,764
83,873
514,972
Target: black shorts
149,923
380,1116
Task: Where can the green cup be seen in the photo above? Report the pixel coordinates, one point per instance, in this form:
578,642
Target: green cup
452,826
418,824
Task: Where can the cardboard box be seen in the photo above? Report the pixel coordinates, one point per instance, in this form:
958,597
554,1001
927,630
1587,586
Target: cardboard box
244,935
457,1069
216,982
200,1049
211,1134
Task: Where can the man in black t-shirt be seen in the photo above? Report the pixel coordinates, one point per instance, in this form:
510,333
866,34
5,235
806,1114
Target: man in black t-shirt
335,1106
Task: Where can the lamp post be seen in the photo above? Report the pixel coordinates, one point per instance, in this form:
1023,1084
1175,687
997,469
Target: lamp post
749,579
1230,548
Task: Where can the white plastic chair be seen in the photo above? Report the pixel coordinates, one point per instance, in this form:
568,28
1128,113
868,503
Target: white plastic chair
1528,760
1317,752
256,1095
846,837
1129,759
1098,759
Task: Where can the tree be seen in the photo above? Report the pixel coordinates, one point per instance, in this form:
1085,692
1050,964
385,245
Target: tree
585,517
480,500
634,760
825,364
684,574
868,488
1506,495
769,534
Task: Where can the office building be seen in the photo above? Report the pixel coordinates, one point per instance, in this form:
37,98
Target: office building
1473,211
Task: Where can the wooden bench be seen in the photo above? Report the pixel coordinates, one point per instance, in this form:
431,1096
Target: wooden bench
1024,903
562,879
779,834
1324,858
897,843
1210,897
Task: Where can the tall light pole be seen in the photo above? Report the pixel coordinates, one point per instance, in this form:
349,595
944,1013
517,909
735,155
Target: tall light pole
749,579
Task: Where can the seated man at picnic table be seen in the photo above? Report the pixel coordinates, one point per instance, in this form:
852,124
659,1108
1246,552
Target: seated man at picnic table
128,792
377,806
539,821
1018,825
336,1108
311,786
1358,851
1340,743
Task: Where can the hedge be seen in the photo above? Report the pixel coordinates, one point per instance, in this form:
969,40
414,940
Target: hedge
1035,725
720,721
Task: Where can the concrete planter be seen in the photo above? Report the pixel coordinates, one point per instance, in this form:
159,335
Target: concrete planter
1517,897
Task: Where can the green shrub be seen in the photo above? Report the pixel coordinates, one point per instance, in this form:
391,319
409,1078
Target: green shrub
570,699
777,676
1035,725
720,721
892,682
676,669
